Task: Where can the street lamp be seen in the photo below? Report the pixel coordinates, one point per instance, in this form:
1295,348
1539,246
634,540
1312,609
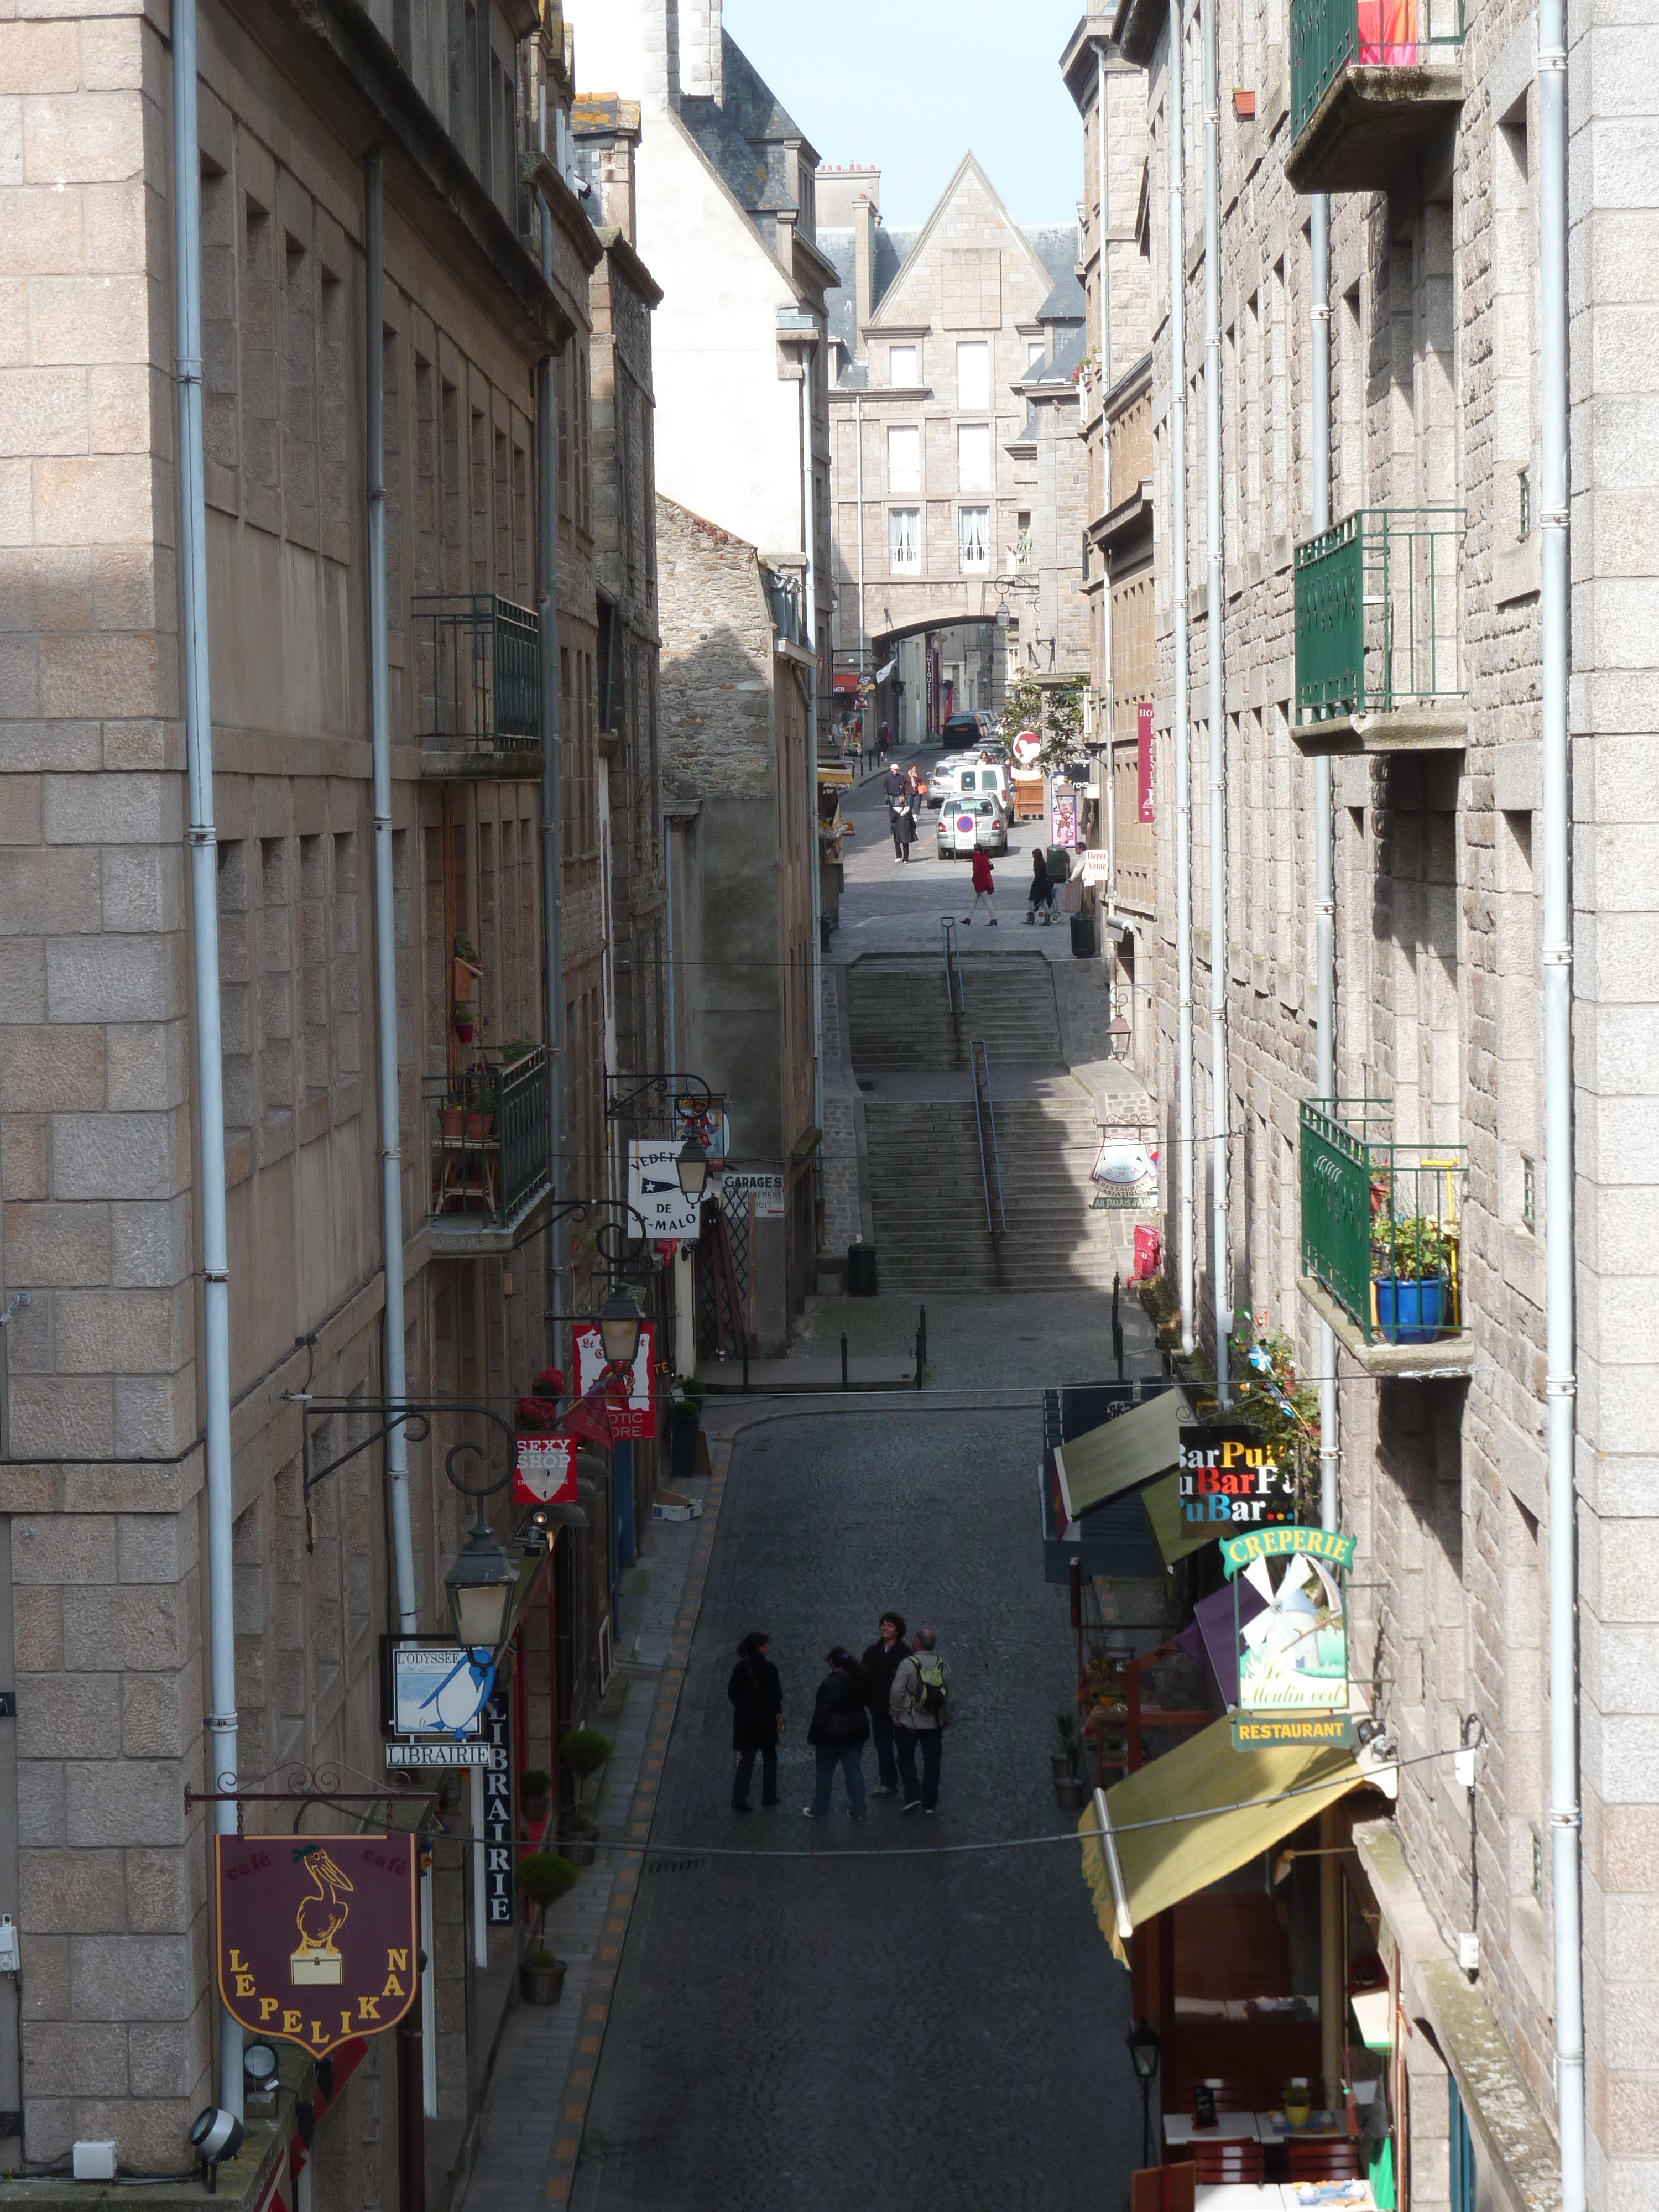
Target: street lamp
480,1586
692,1167
619,1328
1144,2048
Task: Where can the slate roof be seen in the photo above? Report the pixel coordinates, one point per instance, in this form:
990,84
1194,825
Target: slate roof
1065,303
743,138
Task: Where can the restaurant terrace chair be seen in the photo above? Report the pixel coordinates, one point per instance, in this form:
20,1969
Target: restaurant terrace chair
1227,2162
1232,2094
1336,2159
1163,2188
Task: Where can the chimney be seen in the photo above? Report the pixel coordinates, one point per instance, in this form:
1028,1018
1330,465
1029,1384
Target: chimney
702,69
863,262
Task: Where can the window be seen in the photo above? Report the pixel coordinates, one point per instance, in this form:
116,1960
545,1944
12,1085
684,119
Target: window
903,539
904,457
973,538
972,372
974,457
1036,353
901,366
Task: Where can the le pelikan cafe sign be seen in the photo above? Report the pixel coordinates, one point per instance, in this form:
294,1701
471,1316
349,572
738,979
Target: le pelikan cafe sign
317,1935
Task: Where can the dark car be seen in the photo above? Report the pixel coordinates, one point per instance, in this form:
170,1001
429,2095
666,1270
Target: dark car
961,733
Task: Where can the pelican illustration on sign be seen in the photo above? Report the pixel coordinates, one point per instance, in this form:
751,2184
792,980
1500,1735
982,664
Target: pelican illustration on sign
319,1919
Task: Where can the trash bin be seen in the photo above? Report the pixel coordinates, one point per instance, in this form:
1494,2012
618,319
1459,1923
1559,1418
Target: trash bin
1083,934
683,1424
860,1271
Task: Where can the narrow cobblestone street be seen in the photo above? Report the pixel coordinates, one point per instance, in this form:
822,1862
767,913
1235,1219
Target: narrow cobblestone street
851,2029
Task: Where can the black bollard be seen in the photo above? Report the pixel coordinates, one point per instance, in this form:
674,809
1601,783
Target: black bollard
745,1366
843,1359
921,1341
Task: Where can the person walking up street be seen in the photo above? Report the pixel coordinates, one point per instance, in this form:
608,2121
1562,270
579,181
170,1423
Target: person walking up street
902,823
984,888
920,1706
757,1696
881,1662
1042,893
840,1728
892,786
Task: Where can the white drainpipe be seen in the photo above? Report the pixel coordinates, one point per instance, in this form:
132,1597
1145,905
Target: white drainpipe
1180,733
809,598
1319,239
1565,1818
222,1747
1220,1271
386,954
547,631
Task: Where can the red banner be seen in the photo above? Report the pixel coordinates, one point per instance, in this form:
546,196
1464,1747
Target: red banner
1144,757
317,1935
633,1414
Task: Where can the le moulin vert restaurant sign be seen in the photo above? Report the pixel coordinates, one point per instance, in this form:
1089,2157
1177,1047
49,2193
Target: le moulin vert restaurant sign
1232,1477
317,1935
1291,1623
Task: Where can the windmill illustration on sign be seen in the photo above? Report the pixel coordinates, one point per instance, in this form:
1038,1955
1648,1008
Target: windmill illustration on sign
320,1918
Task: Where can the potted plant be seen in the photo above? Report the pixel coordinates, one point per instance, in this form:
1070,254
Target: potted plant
543,1878
1408,1277
515,1049
582,1751
535,1795
685,1419
576,1836
1071,1789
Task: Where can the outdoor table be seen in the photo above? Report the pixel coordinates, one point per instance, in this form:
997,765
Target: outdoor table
1180,2129
1267,2132
1360,2201
1240,2197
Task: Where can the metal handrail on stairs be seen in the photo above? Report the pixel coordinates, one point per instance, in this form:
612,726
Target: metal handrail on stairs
985,1120
956,998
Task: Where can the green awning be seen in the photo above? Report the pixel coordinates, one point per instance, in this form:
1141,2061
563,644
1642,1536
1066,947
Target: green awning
1121,1453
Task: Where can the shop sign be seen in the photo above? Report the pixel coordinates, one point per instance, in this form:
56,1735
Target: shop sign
653,1189
401,1753
765,1184
1063,825
1326,1544
1144,758
317,1935
1261,1731
431,1686
545,1474
1125,1172
633,1419
1231,1477
1293,1653
498,1816
1094,866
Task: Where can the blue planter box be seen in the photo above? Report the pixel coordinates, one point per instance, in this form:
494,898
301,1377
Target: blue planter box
1410,1312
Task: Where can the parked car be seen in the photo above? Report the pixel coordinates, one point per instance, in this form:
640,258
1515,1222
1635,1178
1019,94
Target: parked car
961,733
965,824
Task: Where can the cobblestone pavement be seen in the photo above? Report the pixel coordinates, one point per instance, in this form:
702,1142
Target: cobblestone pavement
1022,1344
851,2030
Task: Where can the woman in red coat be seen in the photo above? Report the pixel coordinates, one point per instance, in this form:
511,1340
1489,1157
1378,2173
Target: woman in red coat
984,888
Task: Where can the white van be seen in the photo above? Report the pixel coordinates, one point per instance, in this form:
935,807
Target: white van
965,776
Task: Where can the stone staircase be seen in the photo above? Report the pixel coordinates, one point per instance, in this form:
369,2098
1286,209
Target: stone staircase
898,1015
928,1206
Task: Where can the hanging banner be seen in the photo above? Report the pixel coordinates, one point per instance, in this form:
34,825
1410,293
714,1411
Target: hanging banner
498,1884
706,1119
1231,1478
317,1935
653,1189
1063,825
1293,1651
1144,758
545,1474
1125,1172
633,1419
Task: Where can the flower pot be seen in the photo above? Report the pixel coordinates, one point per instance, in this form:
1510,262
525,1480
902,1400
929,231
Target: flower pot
1071,1792
535,1810
1410,1312
472,1128
464,1031
541,1986
1063,1765
579,1850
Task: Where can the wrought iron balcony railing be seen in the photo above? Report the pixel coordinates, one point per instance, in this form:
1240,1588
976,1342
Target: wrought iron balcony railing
1371,81
1330,36
490,1140
1382,1222
1377,613
478,671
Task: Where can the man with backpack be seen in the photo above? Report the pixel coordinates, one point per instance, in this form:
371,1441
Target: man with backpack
922,1709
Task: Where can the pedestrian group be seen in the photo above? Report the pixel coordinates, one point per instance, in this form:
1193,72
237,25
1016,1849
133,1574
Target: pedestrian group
897,1695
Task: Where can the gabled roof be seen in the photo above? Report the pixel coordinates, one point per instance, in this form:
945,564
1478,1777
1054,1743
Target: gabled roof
1033,241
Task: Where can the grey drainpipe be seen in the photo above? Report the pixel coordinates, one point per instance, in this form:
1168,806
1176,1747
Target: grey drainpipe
547,619
1220,1271
385,952
1180,733
1319,241
220,1723
1561,1382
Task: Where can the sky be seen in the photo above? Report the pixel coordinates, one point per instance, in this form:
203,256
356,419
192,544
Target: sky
912,85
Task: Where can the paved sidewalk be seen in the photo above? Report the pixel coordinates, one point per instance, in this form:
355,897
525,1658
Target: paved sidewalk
537,2094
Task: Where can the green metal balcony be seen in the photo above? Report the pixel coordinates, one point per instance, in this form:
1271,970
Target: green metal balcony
489,1135
478,684
1379,663
1382,1238
1372,83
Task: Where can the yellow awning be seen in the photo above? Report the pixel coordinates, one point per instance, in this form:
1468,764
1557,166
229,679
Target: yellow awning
1121,1453
1210,1800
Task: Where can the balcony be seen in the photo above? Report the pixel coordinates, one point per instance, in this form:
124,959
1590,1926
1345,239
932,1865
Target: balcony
1379,665
1381,1240
477,666
1373,82
489,1136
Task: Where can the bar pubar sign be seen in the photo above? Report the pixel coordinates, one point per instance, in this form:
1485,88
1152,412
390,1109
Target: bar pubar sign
317,1935
1232,1477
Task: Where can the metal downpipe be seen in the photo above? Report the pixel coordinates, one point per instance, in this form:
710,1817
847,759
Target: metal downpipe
1180,732
809,597
221,1754
547,638
1220,1268
1319,241
1561,1384
385,952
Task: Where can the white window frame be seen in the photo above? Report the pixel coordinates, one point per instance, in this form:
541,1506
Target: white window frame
899,539
1037,352
974,391
903,366
908,438
974,530
971,433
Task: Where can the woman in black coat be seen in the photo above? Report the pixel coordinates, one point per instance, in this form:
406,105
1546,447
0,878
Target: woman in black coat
839,1732
757,1696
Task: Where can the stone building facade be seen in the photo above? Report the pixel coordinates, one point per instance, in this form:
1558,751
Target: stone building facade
953,409
105,1600
1435,426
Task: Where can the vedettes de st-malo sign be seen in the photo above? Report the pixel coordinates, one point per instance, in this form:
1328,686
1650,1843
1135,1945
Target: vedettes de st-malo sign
317,1935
